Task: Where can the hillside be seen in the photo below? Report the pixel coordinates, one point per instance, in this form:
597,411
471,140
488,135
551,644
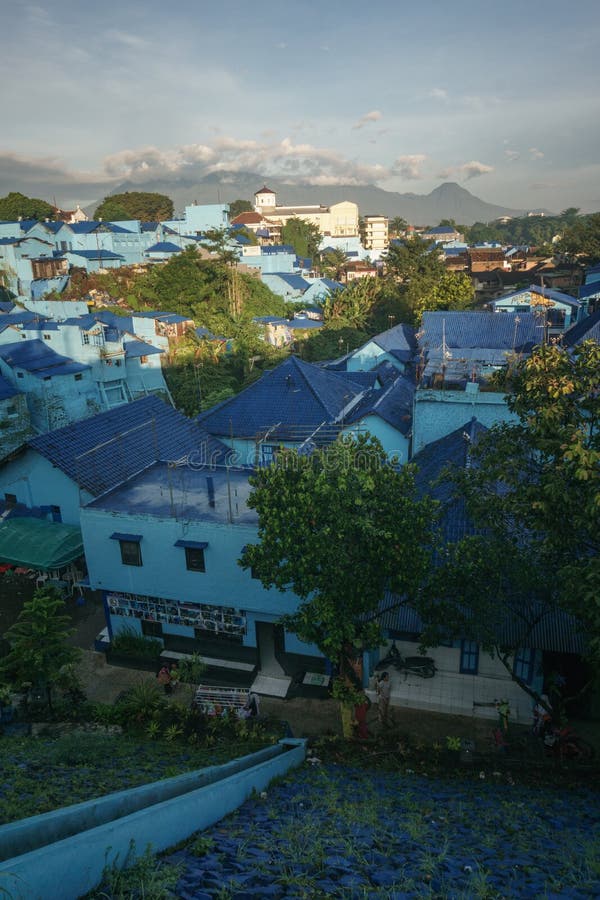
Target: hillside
448,201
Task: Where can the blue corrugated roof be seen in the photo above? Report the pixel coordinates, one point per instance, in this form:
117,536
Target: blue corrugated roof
6,306
37,358
83,227
21,317
10,240
104,450
95,254
502,331
163,247
548,293
148,226
441,229
274,249
134,349
289,401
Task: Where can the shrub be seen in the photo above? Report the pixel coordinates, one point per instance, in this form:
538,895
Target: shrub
130,643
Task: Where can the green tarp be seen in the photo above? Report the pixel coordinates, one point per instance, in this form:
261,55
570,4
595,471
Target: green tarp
38,544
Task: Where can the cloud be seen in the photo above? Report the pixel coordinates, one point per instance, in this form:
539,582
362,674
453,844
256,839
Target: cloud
409,167
438,93
467,170
535,153
512,155
373,116
296,162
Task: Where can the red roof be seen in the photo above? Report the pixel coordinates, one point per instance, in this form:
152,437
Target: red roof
247,218
264,190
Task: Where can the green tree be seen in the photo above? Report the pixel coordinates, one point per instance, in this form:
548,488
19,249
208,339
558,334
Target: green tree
353,304
39,647
397,226
451,290
15,206
333,262
533,491
143,205
303,236
582,239
337,528
236,207
413,258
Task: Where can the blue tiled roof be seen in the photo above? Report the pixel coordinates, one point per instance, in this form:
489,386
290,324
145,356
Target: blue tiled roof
116,323
6,389
6,306
37,358
10,240
274,249
450,450
400,337
21,317
95,254
331,285
83,227
291,401
144,431
393,404
149,226
501,331
163,247
134,349
441,229
589,290
586,330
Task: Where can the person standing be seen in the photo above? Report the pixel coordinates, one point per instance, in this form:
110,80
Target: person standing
384,690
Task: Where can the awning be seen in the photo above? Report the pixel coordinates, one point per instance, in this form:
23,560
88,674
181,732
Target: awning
39,544
194,545
124,536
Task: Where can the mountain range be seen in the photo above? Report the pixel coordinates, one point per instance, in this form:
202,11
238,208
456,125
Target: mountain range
447,201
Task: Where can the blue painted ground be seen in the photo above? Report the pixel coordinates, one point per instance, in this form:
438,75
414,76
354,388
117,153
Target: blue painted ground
331,831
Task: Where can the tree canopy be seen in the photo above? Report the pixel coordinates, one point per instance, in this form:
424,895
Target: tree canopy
143,205
303,236
15,206
38,640
532,490
337,527
236,207
582,238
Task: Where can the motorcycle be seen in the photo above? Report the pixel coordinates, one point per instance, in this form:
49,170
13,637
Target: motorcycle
423,666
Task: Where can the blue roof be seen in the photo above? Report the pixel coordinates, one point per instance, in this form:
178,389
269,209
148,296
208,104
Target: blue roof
296,282
95,254
400,337
169,318
6,306
393,404
163,247
586,330
6,389
441,229
592,270
273,249
104,450
21,317
37,358
84,227
589,290
134,349
11,240
501,331
289,402
148,226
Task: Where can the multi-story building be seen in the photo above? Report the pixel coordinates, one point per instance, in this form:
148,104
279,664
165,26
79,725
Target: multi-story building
337,220
374,232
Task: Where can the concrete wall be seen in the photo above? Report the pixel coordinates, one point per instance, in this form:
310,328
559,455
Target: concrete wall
437,413
73,866
36,482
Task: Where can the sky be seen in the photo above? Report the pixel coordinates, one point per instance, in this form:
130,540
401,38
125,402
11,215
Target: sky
502,98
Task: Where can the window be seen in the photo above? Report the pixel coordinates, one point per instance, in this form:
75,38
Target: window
85,338
19,374
143,359
152,629
131,552
469,657
523,665
47,337
10,500
78,377
194,554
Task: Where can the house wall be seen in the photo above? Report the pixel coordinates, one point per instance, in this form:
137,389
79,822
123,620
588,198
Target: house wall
393,441
36,482
451,692
15,423
163,571
437,413
57,401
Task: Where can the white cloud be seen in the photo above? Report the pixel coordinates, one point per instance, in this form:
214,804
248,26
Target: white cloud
468,170
535,153
512,155
409,167
374,116
438,93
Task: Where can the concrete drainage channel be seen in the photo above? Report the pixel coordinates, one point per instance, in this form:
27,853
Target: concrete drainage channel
61,855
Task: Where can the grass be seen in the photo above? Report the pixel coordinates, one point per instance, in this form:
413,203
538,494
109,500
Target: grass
40,774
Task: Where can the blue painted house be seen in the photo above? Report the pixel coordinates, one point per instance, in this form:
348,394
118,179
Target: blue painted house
60,470
397,346
556,310
386,412
15,421
163,549
295,404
